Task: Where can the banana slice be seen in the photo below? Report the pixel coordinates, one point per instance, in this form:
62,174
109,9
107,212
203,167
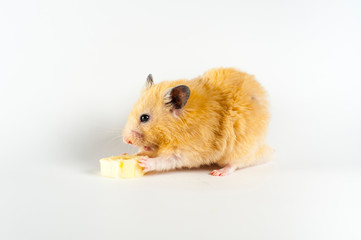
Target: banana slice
124,166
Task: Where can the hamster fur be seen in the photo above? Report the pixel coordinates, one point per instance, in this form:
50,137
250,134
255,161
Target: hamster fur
218,118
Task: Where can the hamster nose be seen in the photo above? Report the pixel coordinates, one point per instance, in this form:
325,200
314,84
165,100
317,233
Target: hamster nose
127,140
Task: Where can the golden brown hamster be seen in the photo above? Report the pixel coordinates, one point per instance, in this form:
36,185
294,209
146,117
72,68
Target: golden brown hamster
220,117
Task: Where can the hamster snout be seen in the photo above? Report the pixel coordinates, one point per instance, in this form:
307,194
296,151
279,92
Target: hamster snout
132,137
127,141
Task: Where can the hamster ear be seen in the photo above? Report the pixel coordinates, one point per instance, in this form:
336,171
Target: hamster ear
149,82
177,97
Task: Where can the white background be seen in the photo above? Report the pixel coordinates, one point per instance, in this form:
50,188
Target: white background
71,70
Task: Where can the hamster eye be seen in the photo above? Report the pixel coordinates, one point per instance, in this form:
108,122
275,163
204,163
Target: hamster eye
144,118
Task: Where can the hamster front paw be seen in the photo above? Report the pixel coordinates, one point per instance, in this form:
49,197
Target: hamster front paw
148,164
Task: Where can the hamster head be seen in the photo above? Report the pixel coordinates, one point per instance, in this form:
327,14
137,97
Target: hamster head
152,121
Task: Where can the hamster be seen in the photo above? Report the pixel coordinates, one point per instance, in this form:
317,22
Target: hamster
220,117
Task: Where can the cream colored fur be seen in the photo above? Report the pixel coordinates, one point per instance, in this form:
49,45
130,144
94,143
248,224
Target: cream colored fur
224,121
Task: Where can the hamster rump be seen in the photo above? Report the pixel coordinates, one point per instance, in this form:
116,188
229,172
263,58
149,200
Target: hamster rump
220,117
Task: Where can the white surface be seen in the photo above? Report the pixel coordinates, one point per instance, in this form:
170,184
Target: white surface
71,70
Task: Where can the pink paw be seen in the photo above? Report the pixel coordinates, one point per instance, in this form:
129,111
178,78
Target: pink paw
145,163
219,172
228,169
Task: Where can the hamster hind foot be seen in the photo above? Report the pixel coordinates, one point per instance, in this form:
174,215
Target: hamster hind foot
228,169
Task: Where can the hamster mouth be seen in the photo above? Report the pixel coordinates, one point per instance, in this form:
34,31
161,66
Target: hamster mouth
148,149
137,139
133,138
